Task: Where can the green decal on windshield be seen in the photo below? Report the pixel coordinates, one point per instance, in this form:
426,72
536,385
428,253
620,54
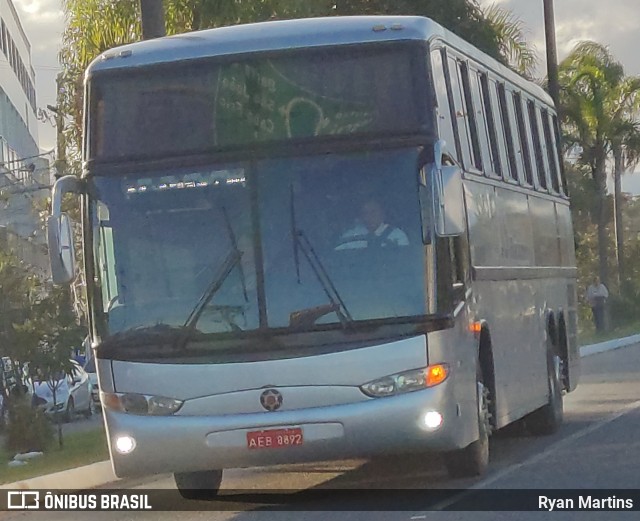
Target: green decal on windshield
255,102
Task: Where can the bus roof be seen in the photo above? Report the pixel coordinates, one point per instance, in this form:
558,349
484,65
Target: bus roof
291,34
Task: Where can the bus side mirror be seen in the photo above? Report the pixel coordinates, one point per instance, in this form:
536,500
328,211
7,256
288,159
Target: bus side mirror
449,201
59,233
61,249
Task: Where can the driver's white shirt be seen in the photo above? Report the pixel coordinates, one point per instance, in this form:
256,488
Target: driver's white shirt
356,237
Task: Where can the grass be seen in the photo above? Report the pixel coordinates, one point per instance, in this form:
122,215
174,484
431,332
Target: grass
80,448
590,336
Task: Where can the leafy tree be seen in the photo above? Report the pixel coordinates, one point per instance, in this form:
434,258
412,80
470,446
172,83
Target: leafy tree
589,80
512,45
625,149
37,326
599,105
17,287
94,26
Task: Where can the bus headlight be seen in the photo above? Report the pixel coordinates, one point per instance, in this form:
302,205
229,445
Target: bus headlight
407,381
140,404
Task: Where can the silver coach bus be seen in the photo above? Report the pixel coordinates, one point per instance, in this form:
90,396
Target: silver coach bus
317,239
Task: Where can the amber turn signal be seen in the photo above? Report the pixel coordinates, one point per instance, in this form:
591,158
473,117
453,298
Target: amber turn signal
436,374
475,327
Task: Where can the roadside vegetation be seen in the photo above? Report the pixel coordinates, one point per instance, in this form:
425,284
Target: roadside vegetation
80,448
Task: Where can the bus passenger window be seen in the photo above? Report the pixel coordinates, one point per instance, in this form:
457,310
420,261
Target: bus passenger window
551,157
524,141
447,124
460,111
537,145
487,127
471,116
507,134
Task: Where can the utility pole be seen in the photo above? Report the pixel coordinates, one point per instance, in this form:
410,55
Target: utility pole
552,54
61,145
152,14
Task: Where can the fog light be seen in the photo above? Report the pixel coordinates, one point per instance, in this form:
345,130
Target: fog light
432,420
125,444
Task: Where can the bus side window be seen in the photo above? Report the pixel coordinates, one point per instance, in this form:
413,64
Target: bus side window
490,126
551,157
472,120
523,139
460,111
507,134
447,123
537,145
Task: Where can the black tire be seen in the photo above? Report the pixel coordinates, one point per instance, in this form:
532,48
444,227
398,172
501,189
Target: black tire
547,419
473,460
69,412
203,485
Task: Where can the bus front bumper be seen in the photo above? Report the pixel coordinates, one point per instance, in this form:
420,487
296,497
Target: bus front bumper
376,426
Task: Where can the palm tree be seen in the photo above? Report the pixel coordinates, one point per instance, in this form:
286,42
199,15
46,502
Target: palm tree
598,107
509,31
625,149
589,76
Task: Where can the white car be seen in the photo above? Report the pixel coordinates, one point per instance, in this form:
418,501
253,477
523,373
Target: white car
90,368
73,394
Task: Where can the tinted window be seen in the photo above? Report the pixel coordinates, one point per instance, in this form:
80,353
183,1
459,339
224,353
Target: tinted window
471,115
507,134
524,143
201,105
535,133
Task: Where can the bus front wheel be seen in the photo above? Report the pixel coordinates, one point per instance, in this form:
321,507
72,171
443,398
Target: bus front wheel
473,460
204,484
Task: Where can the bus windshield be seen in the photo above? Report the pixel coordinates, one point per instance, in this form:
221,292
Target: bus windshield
339,237
206,105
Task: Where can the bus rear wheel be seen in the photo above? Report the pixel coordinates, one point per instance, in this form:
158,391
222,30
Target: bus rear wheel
204,484
548,418
473,460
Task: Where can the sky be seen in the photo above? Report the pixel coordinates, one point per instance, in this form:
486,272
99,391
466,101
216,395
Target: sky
614,23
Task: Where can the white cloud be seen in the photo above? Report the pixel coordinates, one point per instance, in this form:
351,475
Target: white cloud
614,23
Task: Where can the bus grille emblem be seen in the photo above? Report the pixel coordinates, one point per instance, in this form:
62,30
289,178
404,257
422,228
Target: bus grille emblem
271,400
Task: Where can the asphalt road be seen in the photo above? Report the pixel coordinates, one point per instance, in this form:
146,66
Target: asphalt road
598,447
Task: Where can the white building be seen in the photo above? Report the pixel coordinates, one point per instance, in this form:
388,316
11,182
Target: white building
22,172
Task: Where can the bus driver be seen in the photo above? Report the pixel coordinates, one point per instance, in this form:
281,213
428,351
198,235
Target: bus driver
372,230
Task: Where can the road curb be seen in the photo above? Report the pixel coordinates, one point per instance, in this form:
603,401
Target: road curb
101,473
88,476
609,345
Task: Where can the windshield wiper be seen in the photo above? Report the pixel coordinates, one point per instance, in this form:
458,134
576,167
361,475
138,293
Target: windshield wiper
234,243
156,334
230,262
306,317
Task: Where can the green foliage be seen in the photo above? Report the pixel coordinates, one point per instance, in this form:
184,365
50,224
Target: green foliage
598,107
80,448
28,429
18,289
623,308
94,26
37,324
37,330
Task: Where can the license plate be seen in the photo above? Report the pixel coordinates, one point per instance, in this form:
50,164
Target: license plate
274,438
